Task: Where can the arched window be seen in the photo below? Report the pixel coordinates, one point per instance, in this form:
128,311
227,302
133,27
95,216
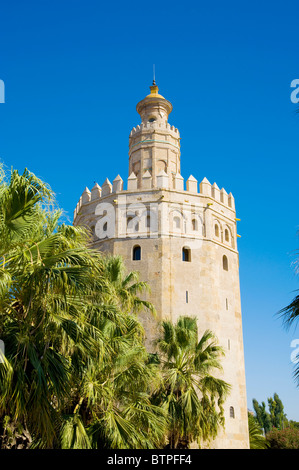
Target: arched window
216,230
186,254
231,412
177,222
225,263
194,224
136,253
130,224
226,235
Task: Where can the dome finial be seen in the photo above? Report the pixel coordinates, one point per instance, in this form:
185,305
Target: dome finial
154,88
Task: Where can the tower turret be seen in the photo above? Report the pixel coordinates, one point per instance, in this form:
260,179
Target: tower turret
154,107
154,145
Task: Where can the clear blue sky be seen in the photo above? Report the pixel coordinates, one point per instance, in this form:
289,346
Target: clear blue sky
74,71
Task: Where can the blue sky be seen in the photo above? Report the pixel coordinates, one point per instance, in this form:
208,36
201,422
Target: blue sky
73,73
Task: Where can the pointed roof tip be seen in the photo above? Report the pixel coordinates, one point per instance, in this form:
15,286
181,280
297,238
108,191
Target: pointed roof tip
132,176
215,186
223,190
96,186
205,180
147,174
191,178
118,178
86,190
106,181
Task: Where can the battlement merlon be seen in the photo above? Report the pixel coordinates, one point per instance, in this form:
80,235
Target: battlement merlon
154,126
206,189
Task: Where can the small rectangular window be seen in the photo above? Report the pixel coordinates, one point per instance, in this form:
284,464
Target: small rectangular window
137,253
187,296
226,304
186,254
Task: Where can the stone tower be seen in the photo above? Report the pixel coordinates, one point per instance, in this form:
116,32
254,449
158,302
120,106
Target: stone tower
182,241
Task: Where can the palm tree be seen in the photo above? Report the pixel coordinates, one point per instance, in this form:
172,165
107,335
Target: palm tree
256,437
47,276
114,389
127,286
73,345
124,416
192,397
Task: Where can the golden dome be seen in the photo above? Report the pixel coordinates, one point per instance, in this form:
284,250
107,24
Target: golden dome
153,100
154,92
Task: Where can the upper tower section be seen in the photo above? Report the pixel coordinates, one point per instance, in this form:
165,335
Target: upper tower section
154,145
154,107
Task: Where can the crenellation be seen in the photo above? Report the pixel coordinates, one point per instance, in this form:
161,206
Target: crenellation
178,182
205,187
160,126
147,180
86,195
224,197
191,184
215,192
132,182
231,201
106,187
96,192
117,184
162,180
